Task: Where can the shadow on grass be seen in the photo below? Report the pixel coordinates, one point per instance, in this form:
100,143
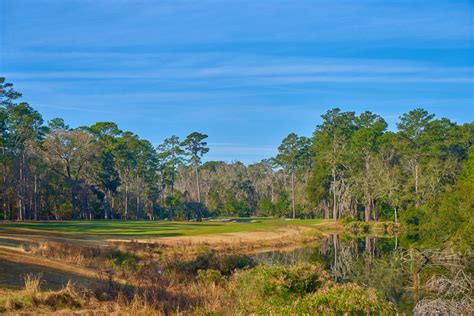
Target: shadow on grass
12,275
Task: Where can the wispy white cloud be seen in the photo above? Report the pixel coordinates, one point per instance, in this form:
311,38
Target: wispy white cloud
274,71
364,79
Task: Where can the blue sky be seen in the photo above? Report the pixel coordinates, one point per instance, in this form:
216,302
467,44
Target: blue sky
247,73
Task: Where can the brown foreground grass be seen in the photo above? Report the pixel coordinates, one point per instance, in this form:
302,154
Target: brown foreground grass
160,298
301,289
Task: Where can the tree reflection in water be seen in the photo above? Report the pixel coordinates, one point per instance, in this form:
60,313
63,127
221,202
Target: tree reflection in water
398,269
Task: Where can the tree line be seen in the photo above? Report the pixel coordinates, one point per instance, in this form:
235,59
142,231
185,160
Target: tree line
351,167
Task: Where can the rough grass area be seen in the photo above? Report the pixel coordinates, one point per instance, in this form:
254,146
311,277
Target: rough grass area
153,229
208,285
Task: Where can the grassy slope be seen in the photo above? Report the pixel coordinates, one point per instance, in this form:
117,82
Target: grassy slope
137,229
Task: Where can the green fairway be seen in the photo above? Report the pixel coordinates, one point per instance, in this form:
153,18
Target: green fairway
157,228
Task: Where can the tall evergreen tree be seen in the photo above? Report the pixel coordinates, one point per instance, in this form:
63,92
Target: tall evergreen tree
331,142
171,153
365,143
291,157
195,148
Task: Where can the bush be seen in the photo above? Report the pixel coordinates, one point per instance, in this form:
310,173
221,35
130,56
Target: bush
124,260
301,289
228,264
204,261
412,217
358,227
266,207
464,238
224,264
346,298
210,276
261,288
385,227
61,300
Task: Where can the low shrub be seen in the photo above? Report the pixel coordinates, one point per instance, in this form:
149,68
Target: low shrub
61,300
412,217
124,260
204,261
262,288
12,304
346,298
301,289
210,276
210,260
228,264
386,227
358,227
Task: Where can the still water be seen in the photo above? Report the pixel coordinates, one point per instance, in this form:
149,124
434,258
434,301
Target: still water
416,281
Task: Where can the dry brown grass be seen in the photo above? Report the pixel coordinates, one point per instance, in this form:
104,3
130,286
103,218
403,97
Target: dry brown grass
32,300
32,283
77,254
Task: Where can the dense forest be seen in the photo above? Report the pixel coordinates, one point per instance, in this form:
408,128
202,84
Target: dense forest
351,167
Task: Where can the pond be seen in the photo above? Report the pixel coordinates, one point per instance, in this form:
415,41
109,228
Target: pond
415,281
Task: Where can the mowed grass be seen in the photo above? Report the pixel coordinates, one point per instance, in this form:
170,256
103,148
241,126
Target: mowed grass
137,229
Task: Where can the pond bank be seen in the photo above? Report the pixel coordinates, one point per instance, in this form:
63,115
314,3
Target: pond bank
286,237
